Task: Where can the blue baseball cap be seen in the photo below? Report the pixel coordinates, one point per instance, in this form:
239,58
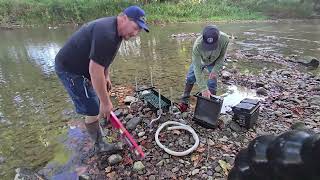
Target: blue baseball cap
210,35
137,15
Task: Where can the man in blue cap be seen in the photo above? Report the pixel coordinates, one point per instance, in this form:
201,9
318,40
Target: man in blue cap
82,66
208,53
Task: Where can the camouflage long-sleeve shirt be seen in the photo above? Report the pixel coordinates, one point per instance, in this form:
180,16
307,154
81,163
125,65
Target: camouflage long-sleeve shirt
202,58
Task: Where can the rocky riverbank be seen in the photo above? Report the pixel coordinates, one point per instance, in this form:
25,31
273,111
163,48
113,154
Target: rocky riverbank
291,94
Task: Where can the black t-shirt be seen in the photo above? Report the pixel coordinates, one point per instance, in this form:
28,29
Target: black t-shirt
97,40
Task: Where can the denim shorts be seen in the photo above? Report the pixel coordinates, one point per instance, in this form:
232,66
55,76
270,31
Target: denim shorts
81,92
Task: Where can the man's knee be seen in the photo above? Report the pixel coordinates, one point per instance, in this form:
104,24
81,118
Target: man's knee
91,119
190,80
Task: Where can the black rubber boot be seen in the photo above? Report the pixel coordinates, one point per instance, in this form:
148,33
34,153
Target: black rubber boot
186,94
100,146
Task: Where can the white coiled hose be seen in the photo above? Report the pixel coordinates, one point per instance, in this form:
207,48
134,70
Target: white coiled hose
178,126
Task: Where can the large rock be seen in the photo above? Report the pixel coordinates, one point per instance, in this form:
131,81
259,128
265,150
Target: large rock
114,159
138,166
262,91
132,124
235,126
299,126
226,118
260,84
226,75
313,64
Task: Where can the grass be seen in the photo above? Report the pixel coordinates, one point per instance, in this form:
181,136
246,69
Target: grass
44,12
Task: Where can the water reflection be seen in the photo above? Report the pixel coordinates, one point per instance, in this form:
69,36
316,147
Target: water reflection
235,94
130,48
2,80
43,55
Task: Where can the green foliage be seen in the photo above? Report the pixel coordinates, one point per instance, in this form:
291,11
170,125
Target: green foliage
79,11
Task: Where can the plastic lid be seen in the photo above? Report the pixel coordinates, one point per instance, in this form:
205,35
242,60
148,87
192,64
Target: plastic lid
251,101
245,106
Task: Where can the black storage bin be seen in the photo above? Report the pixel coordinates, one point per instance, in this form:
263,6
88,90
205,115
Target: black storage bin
207,111
152,99
246,112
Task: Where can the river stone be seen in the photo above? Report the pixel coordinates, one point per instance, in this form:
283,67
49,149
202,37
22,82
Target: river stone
313,64
210,142
204,176
226,75
165,156
217,169
108,169
288,115
286,73
223,139
132,124
262,91
129,99
302,85
194,172
278,113
299,126
138,166
185,115
84,177
235,126
260,84
118,113
315,100
160,163
114,159
181,142
128,117
226,118
152,177
176,169
140,134
316,88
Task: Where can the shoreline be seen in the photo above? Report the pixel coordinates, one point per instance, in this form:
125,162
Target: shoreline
156,22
